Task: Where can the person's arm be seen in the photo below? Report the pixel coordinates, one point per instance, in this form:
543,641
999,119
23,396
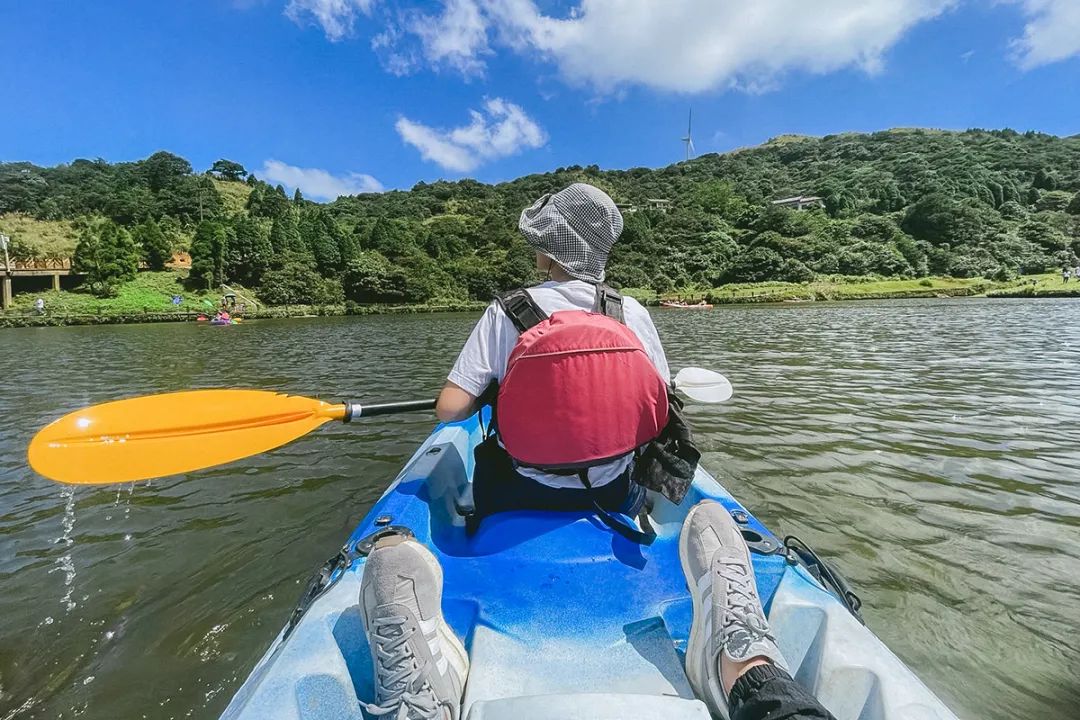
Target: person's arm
455,403
475,368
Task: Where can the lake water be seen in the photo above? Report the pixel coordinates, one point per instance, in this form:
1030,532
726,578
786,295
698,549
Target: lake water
932,448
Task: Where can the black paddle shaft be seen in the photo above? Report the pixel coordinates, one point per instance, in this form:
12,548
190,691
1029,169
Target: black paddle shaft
355,410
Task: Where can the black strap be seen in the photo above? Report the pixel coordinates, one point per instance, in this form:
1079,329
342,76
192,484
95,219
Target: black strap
525,313
521,309
630,533
609,302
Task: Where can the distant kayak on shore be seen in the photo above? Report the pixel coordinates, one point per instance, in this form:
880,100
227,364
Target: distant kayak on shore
685,306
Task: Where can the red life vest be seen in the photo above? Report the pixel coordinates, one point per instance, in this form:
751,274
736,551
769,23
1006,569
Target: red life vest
579,389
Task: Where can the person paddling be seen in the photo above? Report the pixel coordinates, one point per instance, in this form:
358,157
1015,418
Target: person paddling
564,409
577,392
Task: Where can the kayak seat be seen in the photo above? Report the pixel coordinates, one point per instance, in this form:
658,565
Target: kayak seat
590,706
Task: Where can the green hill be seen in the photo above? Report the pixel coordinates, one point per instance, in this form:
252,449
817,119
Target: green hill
905,203
39,238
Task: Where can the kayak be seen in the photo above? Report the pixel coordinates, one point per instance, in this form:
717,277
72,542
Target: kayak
562,617
684,306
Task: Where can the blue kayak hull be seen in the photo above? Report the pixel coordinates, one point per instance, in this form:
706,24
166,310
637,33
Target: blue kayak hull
556,605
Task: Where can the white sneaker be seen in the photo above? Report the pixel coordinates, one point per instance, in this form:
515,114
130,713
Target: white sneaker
728,617
420,665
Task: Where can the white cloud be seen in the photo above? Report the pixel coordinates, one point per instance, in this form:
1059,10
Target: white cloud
316,183
1052,33
678,45
336,17
500,129
457,37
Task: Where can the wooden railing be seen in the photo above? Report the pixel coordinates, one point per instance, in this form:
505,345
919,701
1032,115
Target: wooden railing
46,263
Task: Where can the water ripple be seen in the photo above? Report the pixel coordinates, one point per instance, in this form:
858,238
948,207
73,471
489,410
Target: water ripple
931,448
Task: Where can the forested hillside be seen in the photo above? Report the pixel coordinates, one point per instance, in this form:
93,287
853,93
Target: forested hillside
901,203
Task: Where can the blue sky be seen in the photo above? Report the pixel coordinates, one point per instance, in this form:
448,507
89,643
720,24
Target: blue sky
341,96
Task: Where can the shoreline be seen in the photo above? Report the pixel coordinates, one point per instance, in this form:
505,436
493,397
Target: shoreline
757,293
9,320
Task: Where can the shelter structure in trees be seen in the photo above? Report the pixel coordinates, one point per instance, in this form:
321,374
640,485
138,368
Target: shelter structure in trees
800,202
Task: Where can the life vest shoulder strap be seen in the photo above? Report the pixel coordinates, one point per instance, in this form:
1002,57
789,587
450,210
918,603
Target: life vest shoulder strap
521,309
609,302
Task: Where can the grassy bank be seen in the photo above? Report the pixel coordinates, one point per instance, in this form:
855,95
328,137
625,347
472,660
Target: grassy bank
1044,286
149,292
848,289
148,298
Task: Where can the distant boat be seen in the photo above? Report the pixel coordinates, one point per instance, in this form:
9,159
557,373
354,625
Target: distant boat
685,306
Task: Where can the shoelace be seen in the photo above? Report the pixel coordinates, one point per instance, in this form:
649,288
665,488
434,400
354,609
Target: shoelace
398,672
744,623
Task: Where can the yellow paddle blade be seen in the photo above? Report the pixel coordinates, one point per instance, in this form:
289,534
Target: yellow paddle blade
158,435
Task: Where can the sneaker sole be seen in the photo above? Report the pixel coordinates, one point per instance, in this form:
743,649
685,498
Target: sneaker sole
695,646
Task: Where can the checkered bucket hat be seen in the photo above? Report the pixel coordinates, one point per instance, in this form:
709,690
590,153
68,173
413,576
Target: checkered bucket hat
576,228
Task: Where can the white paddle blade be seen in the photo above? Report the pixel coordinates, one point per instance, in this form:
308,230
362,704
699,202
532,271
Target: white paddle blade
703,385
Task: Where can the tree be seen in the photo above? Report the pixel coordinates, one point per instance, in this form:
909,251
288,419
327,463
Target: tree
327,254
228,170
156,248
208,254
163,169
1046,236
22,188
107,255
318,232
1044,180
938,218
389,238
721,197
1054,201
864,258
249,251
448,236
371,278
1074,205
795,271
279,241
348,247
190,198
755,265
285,236
294,241
265,201
1012,210
297,284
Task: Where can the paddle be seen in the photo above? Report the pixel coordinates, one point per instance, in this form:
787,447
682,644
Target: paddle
703,385
158,435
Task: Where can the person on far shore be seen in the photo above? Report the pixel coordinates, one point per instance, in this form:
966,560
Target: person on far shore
1064,274
39,306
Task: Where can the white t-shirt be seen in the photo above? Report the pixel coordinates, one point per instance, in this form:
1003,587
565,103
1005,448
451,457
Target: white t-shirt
484,357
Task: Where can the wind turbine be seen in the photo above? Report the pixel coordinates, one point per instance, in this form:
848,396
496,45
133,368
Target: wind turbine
689,139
